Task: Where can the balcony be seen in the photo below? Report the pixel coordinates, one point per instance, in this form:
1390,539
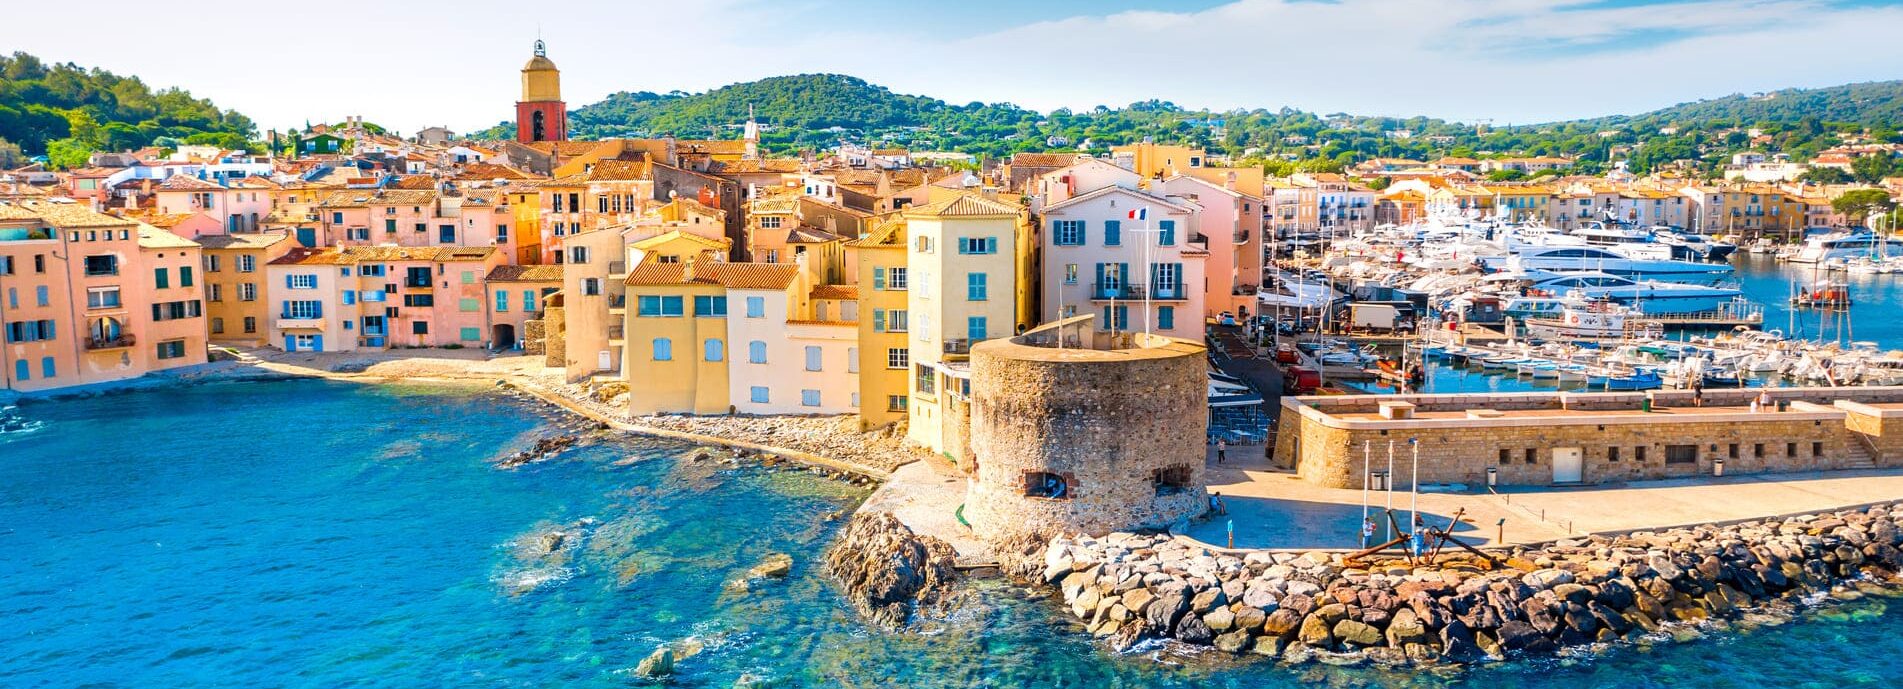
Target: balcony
957,347
618,303
618,269
414,283
23,234
1242,236
1103,291
120,341
289,323
617,334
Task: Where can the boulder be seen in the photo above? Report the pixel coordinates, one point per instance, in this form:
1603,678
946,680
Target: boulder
1192,630
1220,620
658,664
1316,632
1357,634
1164,612
1233,642
1282,623
1250,618
1405,628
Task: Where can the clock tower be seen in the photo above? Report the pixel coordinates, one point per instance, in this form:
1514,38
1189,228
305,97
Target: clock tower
541,115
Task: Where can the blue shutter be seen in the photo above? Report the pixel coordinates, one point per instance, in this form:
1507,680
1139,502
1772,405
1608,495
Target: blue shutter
1167,236
878,278
1112,233
318,341
287,281
290,343
878,320
1098,286
1166,318
350,297
20,370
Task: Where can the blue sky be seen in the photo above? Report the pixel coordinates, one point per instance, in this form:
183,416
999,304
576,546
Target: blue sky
1510,61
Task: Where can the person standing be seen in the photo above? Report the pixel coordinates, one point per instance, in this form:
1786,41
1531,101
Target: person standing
1222,450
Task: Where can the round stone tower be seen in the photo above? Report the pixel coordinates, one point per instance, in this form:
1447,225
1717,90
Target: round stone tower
1103,433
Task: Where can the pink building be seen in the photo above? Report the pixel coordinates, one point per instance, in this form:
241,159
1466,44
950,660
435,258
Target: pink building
1095,253
236,210
516,296
376,297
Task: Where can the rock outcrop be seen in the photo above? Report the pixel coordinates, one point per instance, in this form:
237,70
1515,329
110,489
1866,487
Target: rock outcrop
889,573
542,449
1533,600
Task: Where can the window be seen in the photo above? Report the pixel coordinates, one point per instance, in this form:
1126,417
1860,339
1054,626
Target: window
1166,318
1067,232
174,310
977,245
1117,318
102,298
896,402
653,306
42,296
102,265
1638,454
247,291
809,398
30,331
756,307
301,281
975,287
420,227
468,304
160,278
924,244
247,264
389,226
1044,484
757,394
926,382
897,320
578,254
502,234
1816,449
48,367
184,276
419,327
710,306
1732,451
1112,233
22,370
975,328
1757,451
303,309
813,358
713,350
250,324
1070,273
446,234
1532,456
898,358
756,352
171,349
336,218
217,326
1171,480
419,300
1681,454
502,301
852,359
770,222
1612,453
895,279
591,287
663,349
1166,233
469,277
1506,456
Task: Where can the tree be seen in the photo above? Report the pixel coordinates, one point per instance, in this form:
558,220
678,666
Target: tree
10,155
1858,204
1505,175
67,154
1871,169
1825,175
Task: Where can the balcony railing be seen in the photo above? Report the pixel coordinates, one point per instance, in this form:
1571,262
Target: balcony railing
1103,291
617,301
423,283
121,341
958,346
617,267
24,235
296,323
617,333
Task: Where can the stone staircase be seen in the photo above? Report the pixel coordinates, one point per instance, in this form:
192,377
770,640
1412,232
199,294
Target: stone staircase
1862,455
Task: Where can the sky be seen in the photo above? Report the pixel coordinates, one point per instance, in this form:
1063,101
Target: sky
407,64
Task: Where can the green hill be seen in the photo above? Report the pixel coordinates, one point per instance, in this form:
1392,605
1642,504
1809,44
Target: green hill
67,112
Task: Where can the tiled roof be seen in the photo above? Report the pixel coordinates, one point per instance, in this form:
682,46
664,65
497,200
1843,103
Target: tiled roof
156,238
1051,160
716,146
835,292
167,220
243,240
414,182
730,275
189,183
964,206
537,273
720,244
307,256
810,235
67,215
617,171
488,171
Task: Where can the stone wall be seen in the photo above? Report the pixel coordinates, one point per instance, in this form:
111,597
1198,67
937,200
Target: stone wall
1105,421
534,334
1527,601
555,337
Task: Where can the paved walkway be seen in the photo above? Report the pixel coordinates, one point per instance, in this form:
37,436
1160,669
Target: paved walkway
1276,509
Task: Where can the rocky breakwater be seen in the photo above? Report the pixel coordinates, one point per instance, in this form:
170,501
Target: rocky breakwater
1531,601
889,573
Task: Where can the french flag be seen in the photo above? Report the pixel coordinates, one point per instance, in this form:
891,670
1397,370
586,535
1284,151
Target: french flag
1140,213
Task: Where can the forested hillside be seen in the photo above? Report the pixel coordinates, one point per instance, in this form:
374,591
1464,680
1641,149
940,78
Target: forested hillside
67,112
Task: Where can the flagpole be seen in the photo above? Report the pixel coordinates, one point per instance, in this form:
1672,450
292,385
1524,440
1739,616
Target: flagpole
1147,270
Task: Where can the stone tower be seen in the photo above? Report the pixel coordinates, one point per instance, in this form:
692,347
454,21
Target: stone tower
541,115
1103,433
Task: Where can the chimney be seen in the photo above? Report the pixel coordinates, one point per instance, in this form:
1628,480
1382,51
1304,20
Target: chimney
688,269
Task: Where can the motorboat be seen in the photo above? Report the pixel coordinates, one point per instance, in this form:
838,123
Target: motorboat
1845,245
1697,246
1651,296
1597,320
1576,259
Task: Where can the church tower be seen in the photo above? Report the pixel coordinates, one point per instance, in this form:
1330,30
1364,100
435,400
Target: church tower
541,115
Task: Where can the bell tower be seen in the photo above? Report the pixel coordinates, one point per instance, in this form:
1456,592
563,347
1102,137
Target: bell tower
541,115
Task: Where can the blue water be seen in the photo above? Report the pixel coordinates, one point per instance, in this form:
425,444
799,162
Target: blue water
314,534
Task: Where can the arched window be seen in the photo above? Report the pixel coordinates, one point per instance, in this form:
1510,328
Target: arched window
715,350
663,349
756,352
538,125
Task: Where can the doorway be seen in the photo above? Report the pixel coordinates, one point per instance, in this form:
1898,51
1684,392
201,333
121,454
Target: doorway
503,337
1568,465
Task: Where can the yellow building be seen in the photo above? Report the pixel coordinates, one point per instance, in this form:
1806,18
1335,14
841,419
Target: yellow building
1520,201
884,354
235,305
676,356
1159,161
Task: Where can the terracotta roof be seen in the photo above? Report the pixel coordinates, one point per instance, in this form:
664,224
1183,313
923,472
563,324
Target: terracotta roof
835,292
964,206
67,215
1051,160
715,146
810,235
781,165
730,275
618,171
720,244
414,182
189,183
307,256
167,220
536,273
488,171
157,238
244,240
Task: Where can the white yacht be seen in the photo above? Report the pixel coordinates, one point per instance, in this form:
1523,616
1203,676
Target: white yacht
1846,245
1574,259
1696,246
1651,296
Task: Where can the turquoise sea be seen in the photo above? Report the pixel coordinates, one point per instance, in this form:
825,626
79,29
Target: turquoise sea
319,534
